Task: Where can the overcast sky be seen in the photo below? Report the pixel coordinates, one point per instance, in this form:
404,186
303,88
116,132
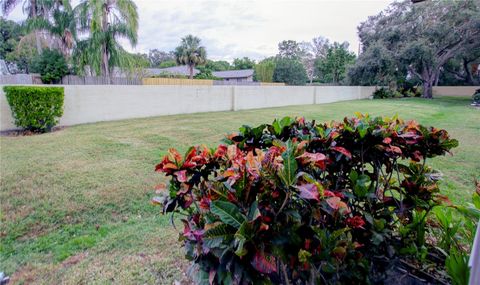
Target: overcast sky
237,28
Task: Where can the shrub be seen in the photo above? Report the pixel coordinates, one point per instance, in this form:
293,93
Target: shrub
296,201
165,74
383,93
289,71
476,97
51,65
205,73
35,108
410,90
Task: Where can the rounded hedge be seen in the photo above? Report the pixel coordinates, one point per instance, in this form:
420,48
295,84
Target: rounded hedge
35,109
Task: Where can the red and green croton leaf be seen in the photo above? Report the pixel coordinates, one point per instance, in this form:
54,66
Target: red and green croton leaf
303,197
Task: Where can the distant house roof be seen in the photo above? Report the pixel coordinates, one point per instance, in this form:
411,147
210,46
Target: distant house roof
233,73
177,70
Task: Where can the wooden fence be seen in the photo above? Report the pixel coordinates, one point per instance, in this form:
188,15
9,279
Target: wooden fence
181,81
272,84
175,81
101,80
20,79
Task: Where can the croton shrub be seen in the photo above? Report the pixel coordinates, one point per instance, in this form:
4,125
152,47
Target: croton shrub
297,202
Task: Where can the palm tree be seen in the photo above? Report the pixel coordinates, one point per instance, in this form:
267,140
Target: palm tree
61,26
33,8
105,21
190,53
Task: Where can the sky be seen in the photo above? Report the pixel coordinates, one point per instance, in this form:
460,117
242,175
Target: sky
236,28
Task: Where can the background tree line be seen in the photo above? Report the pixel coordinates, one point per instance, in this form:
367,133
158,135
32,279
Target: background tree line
81,39
428,43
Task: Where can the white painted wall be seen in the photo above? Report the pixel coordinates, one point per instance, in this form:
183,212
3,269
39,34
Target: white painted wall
254,97
94,103
454,90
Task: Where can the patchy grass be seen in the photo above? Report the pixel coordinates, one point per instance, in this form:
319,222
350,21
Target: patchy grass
75,203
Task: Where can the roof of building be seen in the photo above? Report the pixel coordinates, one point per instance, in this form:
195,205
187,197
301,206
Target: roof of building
233,73
177,70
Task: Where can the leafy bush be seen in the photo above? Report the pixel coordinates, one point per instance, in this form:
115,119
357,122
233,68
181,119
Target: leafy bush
165,74
296,201
51,65
405,91
205,73
476,97
409,89
383,93
289,71
35,108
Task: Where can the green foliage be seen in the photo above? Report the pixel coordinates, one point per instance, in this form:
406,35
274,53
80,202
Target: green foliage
25,52
264,71
289,49
289,71
243,63
295,201
51,65
386,93
476,97
157,57
375,66
410,88
219,65
333,67
399,41
190,53
457,267
35,108
168,63
60,25
169,75
106,22
383,93
10,34
205,73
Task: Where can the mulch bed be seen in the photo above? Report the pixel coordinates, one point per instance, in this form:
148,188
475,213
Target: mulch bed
22,133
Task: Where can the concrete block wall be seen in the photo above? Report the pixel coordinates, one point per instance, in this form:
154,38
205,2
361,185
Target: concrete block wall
95,103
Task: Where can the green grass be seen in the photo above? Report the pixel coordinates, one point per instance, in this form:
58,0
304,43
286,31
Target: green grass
75,203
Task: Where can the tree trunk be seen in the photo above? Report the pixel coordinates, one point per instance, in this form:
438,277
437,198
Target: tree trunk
428,76
191,71
105,67
468,77
38,42
105,53
33,15
427,89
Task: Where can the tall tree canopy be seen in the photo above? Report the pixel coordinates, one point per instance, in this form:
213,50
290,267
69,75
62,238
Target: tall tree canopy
289,49
423,37
105,22
33,9
243,63
10,34
157,57
59,24
264,70
333,65
219,65
190,53
289,71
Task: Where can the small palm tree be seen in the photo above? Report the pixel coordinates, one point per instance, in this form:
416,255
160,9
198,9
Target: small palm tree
33,8
190,53
61,27
105,21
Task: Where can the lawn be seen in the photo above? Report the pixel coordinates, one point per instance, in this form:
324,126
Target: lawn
75,203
